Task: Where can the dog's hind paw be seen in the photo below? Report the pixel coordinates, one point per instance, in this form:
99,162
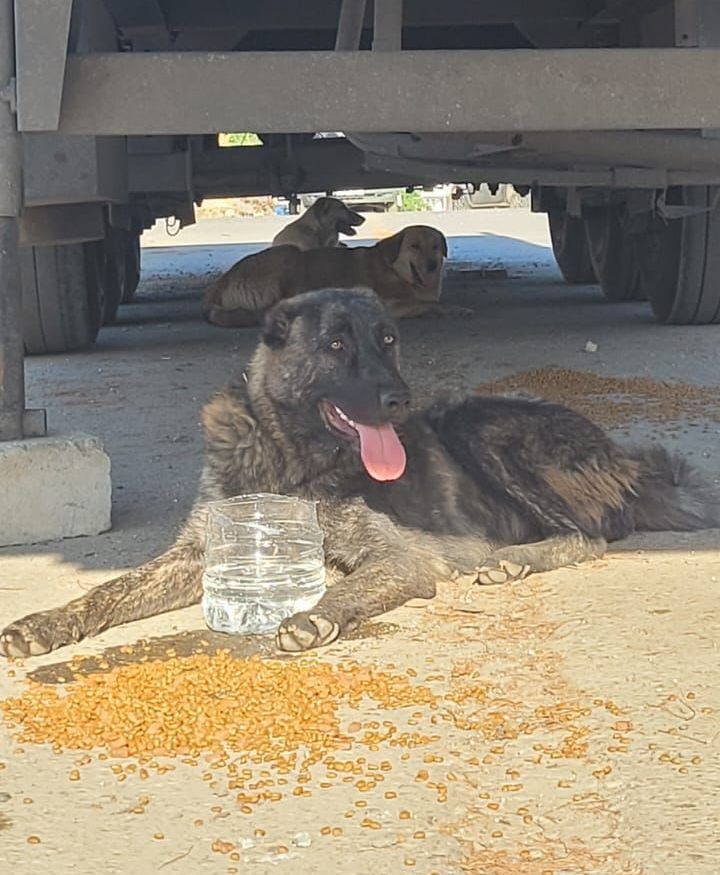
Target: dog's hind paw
305,631
25,638
502,571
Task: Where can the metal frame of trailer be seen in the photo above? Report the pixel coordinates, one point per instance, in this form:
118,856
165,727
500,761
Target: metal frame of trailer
606,110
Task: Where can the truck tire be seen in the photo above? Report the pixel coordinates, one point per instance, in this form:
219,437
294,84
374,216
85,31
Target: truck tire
112,254
62,297
680,260
613,254
569,243
132,266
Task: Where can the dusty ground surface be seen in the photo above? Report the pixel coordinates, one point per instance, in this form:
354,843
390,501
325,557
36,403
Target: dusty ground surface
577,714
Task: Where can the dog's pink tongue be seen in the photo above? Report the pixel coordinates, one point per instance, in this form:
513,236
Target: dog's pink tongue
381,451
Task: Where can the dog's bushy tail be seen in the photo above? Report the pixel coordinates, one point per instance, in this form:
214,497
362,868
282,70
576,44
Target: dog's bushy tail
671,495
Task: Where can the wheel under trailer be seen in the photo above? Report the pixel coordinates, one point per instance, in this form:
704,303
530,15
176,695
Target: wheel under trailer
110,110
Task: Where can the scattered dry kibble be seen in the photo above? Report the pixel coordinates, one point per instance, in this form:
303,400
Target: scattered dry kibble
33,840
245,704
613,400
279,730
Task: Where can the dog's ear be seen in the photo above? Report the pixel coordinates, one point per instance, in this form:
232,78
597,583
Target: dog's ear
390,247
443,238
276,326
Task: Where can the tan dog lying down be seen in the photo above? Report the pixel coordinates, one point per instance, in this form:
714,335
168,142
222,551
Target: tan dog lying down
405,270
320,225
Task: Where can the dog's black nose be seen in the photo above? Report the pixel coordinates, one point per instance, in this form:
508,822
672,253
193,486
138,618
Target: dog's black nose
394,400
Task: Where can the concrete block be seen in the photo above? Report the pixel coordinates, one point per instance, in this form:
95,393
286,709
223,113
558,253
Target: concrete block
53,487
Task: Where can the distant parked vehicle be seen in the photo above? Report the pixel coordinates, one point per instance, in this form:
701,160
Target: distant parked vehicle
473,197
364,200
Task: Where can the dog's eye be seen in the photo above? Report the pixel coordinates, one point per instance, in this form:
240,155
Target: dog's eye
337,345
389,339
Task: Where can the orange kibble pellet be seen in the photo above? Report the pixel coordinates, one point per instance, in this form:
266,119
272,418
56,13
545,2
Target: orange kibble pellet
419,834
325,830
409,861
497,834
337,831
159,836
74,775
369,823
405,815
33,840
390,794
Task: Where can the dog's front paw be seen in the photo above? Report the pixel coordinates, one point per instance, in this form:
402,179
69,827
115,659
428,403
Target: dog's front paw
501,571
35,634
305,631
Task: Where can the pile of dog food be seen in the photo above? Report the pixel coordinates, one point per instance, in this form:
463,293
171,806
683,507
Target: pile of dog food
211,703
613,401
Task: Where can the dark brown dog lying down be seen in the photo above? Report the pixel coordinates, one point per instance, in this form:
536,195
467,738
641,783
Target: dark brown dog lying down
404,270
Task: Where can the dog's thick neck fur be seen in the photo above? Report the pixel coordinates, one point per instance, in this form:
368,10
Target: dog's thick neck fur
242,420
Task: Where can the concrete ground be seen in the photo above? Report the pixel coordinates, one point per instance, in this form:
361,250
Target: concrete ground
626,648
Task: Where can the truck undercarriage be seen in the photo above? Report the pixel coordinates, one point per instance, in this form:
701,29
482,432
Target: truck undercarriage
605,110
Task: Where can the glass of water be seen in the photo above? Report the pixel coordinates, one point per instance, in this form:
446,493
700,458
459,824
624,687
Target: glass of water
264,561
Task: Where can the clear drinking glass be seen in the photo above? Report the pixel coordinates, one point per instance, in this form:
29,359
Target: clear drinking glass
264,561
